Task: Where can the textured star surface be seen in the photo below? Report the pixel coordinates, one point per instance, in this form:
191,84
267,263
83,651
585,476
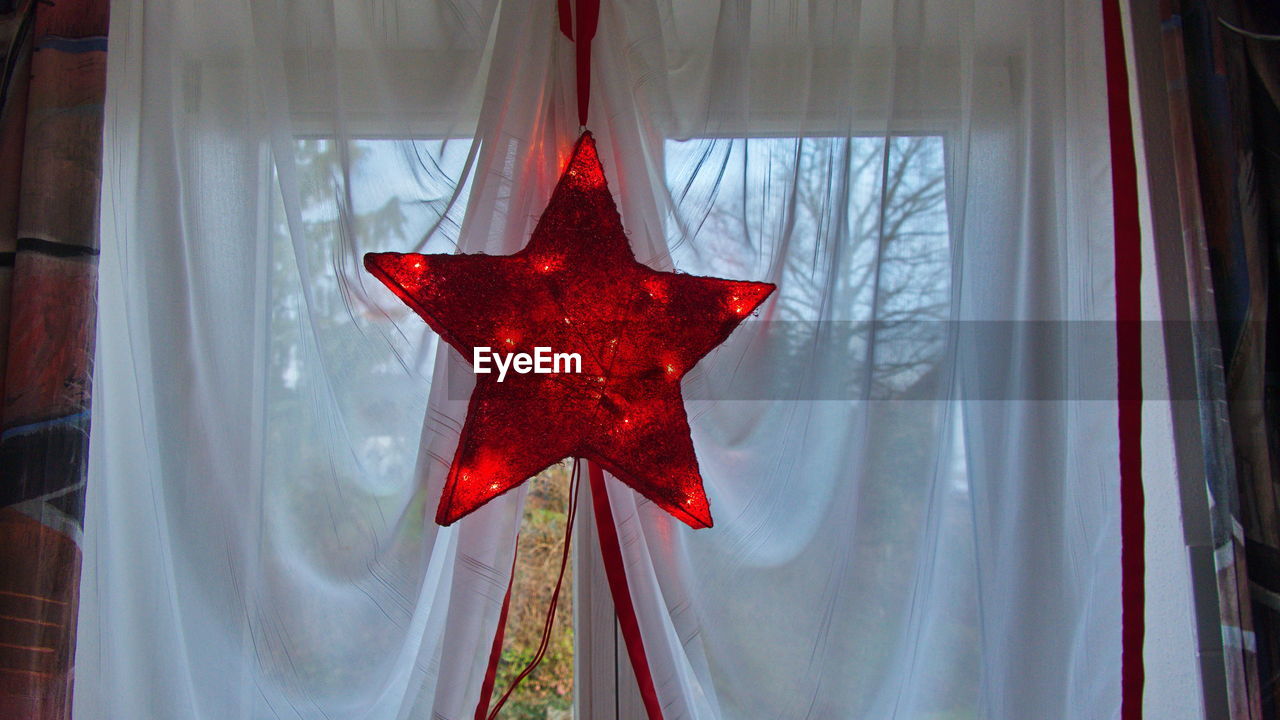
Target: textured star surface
576,287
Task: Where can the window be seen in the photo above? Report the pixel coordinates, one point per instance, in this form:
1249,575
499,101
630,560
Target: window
740,197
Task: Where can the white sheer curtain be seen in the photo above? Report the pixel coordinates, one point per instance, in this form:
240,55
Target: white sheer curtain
910,457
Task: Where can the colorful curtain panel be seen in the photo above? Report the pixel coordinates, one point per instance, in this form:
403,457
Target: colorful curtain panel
1231,89
54,63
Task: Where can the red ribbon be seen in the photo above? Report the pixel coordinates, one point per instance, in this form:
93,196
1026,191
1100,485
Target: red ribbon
1128,270
566,17
495,653
616,572
585,14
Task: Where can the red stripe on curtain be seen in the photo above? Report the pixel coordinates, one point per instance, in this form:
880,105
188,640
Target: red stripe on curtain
1128,269
616,573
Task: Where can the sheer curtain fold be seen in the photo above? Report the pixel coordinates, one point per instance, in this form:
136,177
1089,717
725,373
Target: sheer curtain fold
908,524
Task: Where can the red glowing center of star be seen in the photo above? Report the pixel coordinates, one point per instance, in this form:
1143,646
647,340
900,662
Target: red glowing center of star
576,288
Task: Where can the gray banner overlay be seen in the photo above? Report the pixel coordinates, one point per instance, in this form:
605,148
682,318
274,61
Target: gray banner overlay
772,360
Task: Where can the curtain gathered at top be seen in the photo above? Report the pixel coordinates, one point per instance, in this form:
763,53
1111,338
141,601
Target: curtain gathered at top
910,453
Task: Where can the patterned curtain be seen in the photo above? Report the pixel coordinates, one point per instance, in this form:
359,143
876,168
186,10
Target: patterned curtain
54,62
1231,53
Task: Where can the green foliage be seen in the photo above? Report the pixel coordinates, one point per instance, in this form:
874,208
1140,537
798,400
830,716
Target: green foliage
546,691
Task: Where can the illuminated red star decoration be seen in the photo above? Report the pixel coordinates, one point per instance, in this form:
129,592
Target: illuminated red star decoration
575,288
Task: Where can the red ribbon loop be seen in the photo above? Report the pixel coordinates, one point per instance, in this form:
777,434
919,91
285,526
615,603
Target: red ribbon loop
585,15
615,571
566,17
